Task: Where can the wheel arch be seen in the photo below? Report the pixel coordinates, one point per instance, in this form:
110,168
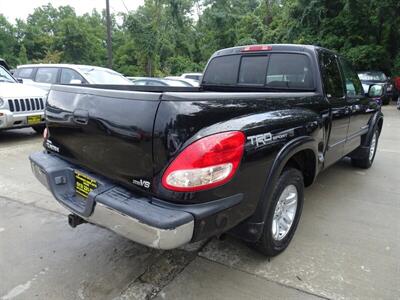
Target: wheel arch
380,124
290,155
306,162
375,122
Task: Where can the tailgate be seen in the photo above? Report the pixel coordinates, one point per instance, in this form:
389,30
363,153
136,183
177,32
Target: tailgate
106,131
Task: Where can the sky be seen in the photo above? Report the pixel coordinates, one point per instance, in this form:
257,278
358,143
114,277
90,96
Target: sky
13,9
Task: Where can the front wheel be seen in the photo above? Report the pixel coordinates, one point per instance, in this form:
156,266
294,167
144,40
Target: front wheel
367,161
283,214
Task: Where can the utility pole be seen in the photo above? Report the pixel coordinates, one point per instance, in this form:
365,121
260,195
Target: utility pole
109,41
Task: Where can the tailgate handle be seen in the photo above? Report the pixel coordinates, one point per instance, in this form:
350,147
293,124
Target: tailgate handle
81,116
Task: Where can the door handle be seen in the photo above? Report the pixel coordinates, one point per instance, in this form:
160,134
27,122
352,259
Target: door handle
81,116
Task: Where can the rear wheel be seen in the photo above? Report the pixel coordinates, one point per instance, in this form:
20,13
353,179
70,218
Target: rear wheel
367,161
283,214
39,128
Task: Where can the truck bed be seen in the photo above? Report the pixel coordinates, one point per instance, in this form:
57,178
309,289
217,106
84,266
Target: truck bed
130,136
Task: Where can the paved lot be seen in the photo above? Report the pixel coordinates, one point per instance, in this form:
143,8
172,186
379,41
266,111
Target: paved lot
347,245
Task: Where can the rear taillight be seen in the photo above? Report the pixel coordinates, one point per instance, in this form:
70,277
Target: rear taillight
207,163
45,133
255,48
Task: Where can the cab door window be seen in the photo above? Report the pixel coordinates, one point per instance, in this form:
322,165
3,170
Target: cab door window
331,77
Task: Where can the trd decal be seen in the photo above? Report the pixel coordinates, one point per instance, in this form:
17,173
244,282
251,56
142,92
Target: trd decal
260,139
263,139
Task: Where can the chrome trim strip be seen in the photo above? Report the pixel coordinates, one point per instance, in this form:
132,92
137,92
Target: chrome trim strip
357,134
139,232
362,131
336,144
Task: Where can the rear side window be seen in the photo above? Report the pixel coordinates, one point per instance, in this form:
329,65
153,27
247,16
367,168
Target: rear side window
289,71
222,70
331,78
24,72
253,70
46,75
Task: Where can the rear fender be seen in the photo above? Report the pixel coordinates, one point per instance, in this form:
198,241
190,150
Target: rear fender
251,230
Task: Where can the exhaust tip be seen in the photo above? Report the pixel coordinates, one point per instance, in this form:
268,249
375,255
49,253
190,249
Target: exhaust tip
74,220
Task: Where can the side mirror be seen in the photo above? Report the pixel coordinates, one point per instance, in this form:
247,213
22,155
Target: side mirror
75,81
375,91
20,80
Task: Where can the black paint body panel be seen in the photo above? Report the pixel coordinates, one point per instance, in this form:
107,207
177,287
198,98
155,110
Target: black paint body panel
129,135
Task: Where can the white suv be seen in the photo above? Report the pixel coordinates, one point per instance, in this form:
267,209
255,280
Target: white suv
20,105
44,75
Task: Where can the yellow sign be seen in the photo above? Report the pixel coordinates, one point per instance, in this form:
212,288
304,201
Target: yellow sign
84,184
32,120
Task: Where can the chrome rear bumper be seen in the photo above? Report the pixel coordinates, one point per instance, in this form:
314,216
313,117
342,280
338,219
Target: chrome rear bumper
113,207
139,232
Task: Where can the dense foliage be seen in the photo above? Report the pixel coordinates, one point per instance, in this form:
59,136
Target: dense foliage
174,36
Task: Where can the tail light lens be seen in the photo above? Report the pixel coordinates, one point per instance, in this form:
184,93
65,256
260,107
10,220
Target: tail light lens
45,133
207,163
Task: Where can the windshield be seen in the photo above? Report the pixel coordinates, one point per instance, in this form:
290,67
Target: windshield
104,76
5,76
372,76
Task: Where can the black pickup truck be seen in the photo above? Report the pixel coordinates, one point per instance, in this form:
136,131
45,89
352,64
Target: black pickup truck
166,166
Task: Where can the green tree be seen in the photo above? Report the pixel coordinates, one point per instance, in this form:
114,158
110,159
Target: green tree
8,41
22,57
164,37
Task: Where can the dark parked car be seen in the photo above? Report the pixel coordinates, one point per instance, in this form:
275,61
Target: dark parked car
369,78
165,166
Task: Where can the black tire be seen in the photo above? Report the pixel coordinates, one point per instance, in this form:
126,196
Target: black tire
268,245
39,129
366,162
